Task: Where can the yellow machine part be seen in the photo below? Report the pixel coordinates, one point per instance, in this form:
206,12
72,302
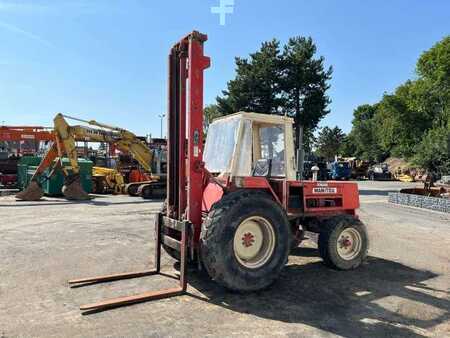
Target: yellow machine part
66,137
404,178
112,177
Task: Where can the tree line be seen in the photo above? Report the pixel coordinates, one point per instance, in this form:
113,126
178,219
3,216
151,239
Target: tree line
413,122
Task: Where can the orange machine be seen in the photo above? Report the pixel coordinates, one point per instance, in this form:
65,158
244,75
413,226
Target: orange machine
25,133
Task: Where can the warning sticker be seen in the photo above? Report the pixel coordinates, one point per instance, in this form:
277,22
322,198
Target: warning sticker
324,190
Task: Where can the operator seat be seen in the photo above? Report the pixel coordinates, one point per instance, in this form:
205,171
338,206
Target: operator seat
263,168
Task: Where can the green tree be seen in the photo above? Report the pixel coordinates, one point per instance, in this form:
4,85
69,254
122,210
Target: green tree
210,112
304,84
434,65
329,142
363,137
414,121
403,118
348,147
433,68
293,82
433,153
256,85
432,95
400,124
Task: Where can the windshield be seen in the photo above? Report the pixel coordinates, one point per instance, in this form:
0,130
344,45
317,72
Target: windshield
272,147
220,142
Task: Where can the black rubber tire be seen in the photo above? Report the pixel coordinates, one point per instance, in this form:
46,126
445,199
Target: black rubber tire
330,230
145,191
132,189
216,246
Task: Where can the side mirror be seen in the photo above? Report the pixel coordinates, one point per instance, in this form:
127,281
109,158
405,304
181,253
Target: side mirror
263,168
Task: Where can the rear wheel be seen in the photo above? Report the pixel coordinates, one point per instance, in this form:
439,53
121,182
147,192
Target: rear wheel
245,241
343,242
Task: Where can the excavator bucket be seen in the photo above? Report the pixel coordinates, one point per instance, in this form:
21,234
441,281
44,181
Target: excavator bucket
73,190
32,193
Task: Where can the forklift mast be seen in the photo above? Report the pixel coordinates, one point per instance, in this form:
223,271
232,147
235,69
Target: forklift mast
185,129
185,171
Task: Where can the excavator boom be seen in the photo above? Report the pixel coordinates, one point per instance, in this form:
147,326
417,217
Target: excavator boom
66,137
94,123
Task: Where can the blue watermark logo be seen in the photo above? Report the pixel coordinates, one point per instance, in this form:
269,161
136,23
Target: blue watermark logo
225,7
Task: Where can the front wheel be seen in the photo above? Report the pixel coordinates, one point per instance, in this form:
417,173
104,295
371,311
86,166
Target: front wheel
245,241
343,242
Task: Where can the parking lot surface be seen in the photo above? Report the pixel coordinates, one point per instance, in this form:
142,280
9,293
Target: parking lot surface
402,291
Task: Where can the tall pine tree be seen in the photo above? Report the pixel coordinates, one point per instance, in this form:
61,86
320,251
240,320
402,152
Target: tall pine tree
292,82
256,87
304,83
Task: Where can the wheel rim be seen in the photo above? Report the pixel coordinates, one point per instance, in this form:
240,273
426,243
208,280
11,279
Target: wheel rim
254,242
349,244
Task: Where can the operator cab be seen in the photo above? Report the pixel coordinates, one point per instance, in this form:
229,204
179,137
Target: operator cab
251,144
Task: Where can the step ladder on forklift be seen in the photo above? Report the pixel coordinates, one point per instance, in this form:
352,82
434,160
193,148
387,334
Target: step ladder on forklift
179,245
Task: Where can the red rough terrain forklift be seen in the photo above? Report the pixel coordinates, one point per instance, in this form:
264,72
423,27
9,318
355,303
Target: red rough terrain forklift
234,206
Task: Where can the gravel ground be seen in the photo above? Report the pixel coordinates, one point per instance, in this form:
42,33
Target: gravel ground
402,291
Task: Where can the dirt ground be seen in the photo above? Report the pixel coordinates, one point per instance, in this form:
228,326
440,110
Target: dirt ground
402,291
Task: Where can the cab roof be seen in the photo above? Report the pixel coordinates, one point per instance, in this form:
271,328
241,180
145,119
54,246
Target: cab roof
258,117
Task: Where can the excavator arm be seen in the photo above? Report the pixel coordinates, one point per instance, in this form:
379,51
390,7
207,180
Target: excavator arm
66,137
123,139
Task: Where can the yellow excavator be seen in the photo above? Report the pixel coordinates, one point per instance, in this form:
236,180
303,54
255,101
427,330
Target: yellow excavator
66,137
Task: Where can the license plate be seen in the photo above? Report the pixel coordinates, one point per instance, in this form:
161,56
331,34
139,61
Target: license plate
324,190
